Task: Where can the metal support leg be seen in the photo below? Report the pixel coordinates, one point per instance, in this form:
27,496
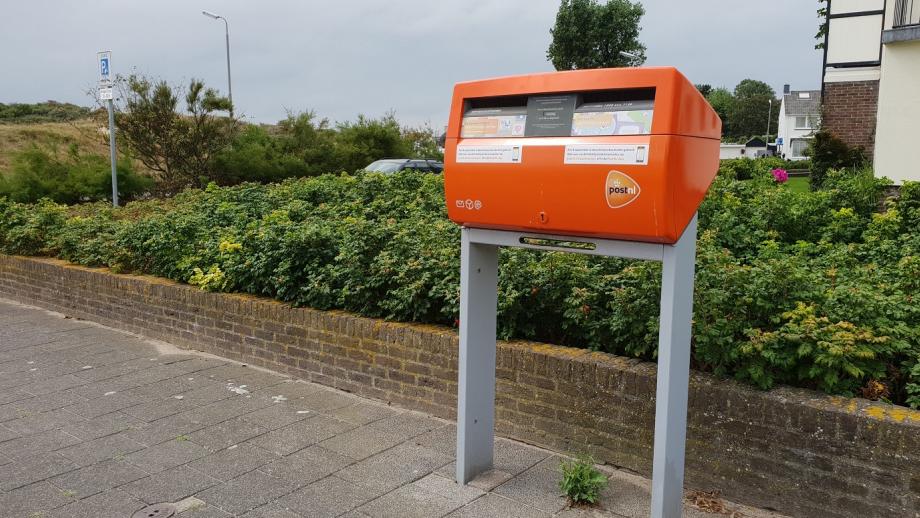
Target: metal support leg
678,263
476,391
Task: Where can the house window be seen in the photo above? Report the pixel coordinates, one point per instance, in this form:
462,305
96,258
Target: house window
799,146
803,122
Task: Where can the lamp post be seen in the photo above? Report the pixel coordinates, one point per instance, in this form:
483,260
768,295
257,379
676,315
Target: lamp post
769,118
227,34
628,55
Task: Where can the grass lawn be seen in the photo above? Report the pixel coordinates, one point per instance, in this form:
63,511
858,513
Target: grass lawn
799,184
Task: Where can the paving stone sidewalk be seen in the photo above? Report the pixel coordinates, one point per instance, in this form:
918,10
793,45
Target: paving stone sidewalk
97,423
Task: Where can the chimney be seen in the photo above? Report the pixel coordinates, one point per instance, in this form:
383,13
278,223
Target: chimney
786,89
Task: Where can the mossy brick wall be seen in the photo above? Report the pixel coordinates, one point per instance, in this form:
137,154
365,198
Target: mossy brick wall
796,451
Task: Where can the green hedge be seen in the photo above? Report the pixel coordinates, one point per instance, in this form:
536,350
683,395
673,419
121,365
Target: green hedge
816,289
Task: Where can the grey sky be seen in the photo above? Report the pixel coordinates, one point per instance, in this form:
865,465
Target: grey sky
346,57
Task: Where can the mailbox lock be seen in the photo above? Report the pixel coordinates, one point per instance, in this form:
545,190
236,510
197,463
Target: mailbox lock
543,217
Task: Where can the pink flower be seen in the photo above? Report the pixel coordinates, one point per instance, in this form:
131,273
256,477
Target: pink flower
780,175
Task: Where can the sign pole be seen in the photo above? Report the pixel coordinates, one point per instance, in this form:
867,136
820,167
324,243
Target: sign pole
112,153
106,93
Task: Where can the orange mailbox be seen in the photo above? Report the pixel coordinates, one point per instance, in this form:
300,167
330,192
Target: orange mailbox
623,153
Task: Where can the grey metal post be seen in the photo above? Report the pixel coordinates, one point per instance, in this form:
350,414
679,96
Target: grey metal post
227,38
476,390
229,83
769,119
112,153
678,265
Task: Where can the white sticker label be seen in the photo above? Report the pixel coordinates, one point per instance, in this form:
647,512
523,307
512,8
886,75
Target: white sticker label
486,154
618,154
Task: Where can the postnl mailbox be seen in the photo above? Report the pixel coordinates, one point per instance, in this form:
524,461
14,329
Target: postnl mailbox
612,153
616,160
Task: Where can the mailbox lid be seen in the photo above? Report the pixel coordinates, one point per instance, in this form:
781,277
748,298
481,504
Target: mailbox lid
679,108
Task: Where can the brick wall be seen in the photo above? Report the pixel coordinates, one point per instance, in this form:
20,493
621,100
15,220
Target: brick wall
849,111
800,452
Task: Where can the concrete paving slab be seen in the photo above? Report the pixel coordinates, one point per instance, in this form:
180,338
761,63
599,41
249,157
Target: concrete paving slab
536,486
392,468
33,499
35,468
223,435
271,511
108,504
306,466
165,455
326,498
363,413
245,492
101,426
299,435
109,447
171,485
232,462
492,505
99,477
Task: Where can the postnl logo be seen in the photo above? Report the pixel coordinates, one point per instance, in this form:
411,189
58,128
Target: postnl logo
621,190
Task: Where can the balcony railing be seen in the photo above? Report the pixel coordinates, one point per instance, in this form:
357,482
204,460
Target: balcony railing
906,14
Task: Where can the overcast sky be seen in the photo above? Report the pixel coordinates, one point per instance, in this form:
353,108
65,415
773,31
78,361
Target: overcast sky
341,58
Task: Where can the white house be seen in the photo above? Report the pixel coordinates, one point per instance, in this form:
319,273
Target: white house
799,117
731,151
871,76
751,149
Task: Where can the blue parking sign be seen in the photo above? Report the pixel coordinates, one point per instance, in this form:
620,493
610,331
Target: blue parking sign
105,65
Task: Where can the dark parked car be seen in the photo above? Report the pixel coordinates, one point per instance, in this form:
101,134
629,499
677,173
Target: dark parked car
392,165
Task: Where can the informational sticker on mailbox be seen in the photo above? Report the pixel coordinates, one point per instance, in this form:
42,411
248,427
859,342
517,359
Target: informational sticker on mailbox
616,154
489,154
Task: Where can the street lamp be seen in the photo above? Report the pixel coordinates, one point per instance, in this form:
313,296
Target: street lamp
227,34
629,55
769,118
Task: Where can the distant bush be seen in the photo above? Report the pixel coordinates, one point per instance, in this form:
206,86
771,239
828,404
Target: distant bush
68,177
256,156
829,152
302,145
49,111
815,289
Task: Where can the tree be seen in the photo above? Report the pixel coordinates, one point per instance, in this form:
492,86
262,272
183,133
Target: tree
704,89
423,142
752,106
589,34
753,88
723,102
822,26
178,147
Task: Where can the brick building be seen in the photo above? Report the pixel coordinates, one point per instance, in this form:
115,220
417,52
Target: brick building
870,92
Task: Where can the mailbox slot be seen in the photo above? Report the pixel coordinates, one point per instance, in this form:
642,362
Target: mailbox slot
560,114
